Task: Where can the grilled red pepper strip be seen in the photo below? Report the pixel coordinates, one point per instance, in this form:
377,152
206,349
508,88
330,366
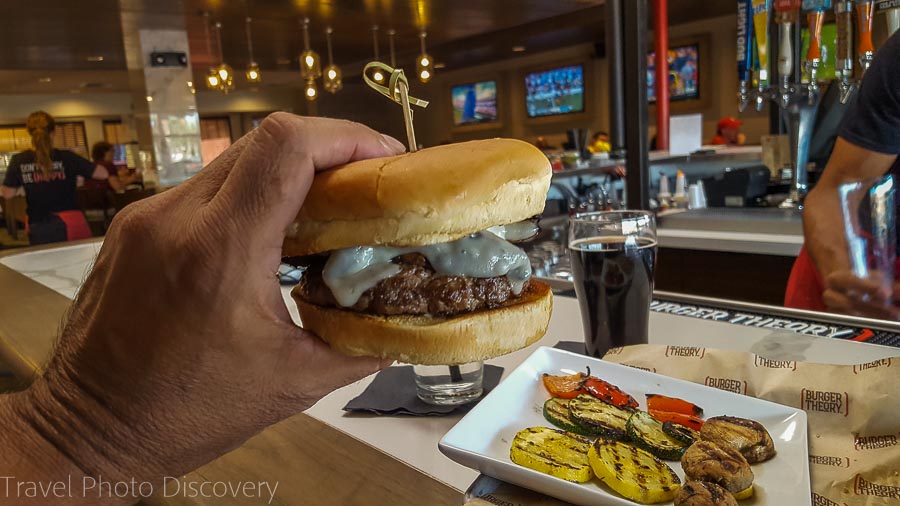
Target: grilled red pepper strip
688,421
564,387
609,393
673,405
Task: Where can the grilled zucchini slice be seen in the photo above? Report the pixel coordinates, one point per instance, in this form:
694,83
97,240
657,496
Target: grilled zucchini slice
684,434
556,411
633,473
554,452
599,418
647,433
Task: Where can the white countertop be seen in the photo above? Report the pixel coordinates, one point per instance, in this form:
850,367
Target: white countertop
733,242
413,440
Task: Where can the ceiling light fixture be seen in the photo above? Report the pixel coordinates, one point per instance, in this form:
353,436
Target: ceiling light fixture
212,77
253,74
378,76
391,34
332,80
518,49
44,79
439,66
224,71
310,65
424,62
95,58
310,92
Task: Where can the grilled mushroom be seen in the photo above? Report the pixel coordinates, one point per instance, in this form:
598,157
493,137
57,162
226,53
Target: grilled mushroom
703,493
706,461
746,436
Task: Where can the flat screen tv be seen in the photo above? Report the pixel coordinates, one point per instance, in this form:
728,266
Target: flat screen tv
684,78
557,91
474,103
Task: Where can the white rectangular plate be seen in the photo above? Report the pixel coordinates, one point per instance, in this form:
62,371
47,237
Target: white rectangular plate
481,440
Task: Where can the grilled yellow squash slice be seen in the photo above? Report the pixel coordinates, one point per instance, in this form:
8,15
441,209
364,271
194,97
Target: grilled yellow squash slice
632,472
554,452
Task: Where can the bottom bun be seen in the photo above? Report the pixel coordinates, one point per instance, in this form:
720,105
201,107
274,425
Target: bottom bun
429,340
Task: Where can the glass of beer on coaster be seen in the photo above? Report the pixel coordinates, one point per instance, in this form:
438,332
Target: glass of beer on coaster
613,256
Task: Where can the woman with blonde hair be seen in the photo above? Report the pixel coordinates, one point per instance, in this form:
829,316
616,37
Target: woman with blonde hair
49,177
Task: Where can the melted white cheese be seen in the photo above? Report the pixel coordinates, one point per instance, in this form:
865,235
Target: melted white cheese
350,272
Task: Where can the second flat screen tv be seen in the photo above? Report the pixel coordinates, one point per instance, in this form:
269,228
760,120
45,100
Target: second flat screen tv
684,81
557,91
474,103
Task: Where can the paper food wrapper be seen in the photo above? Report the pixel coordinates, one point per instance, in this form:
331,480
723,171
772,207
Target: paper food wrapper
853,415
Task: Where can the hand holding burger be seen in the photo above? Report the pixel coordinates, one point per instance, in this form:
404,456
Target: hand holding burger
179,346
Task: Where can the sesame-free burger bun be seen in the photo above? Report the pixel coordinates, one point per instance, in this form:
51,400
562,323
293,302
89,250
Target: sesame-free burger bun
431,196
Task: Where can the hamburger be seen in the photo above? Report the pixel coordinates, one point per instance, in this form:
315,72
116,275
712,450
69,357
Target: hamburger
410,257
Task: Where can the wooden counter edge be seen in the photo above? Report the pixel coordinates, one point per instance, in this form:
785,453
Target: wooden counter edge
31,314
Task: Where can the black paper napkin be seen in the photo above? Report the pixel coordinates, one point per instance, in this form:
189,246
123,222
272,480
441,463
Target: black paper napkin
571,346
393,392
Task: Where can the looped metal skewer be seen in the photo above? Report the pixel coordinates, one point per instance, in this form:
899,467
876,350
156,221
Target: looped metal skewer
397,90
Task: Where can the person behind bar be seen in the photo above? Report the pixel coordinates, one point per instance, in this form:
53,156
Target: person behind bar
867,146
49,177
728,132
212,357
106,174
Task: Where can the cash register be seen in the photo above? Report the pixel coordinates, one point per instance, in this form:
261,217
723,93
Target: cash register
745,187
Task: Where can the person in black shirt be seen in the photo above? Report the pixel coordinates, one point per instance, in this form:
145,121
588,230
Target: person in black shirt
867,146
49,177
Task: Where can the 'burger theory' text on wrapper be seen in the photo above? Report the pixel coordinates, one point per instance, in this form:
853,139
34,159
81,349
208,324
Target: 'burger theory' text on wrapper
100,488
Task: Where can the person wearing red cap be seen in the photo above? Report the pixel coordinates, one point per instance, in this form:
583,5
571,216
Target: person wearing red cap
728,132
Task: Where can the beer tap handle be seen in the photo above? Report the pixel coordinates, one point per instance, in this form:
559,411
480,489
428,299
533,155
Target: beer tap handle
787,13
761,12
815,18
744,52
865,48
843,13
891,9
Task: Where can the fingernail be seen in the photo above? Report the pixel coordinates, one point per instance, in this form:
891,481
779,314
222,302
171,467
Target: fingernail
393,144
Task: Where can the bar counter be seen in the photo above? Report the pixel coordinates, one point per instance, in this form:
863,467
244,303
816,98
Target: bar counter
325,456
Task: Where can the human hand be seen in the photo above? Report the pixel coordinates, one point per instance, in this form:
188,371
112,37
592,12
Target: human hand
848,294
179,346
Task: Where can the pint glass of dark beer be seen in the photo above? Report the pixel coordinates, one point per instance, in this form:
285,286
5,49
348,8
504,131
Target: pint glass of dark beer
613,256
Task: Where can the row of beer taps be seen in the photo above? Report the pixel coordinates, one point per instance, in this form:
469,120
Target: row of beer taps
758,85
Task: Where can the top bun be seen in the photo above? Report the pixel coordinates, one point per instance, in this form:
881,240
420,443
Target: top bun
431,196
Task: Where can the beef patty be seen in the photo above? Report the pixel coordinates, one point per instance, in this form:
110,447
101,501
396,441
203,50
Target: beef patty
415,290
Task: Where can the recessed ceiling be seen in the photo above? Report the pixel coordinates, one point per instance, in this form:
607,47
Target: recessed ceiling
79,43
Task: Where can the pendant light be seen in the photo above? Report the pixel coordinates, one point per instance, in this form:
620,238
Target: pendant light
391,34
310,91
332,80
310,65
378,76
212,77
424,62
223,71
253,73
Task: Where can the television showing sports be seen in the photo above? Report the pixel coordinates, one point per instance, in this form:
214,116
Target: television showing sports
557,91
684,82
474,103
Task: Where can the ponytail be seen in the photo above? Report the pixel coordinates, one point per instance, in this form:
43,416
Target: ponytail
40,126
